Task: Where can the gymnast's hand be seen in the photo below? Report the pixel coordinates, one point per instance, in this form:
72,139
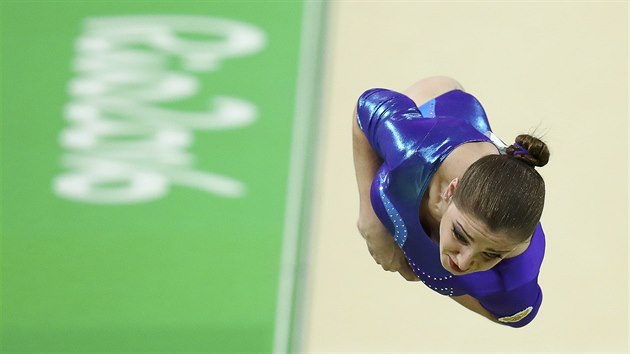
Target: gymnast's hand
384,249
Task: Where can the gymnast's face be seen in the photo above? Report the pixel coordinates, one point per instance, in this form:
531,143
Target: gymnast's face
466,245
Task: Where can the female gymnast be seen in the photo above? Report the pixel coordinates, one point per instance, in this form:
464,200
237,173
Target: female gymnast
444,201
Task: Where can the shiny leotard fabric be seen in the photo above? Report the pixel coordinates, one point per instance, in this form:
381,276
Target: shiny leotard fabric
413,141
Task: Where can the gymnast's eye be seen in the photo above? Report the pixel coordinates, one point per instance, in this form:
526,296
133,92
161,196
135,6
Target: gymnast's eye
459,236
491,255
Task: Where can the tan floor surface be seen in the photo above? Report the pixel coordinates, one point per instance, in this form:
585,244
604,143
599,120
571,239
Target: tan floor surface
559,68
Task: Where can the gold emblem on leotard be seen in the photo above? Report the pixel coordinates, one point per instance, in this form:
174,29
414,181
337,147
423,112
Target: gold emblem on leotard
516,317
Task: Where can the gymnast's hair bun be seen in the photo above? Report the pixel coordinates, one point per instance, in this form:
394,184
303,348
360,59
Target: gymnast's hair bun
537,151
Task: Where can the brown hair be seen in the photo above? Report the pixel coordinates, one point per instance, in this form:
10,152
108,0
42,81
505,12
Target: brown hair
505,191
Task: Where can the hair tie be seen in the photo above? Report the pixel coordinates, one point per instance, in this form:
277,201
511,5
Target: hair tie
520,150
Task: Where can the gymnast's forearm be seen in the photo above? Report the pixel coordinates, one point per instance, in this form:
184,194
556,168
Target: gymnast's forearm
366,164
430,87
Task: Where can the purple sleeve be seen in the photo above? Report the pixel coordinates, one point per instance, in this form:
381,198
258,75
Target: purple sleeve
515,308
457,104
379,112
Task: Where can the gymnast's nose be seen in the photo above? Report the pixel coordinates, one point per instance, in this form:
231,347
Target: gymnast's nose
464,259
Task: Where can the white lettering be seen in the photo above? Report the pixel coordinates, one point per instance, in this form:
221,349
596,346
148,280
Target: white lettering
122,146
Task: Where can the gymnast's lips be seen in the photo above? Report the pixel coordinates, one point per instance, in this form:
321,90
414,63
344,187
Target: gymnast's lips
453,265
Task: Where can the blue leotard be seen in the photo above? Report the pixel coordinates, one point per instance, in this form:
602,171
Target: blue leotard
413,141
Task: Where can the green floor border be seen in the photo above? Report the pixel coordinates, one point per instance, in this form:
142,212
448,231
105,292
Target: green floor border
289,333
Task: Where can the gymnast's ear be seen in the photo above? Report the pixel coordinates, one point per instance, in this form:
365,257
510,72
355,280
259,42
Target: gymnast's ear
450,190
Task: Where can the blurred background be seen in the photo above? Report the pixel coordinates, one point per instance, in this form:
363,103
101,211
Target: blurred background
176,176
